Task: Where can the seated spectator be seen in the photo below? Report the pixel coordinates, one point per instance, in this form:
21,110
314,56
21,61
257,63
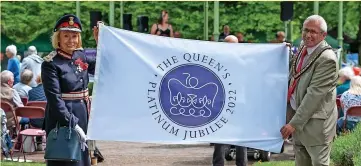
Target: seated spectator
23,86
6,143
9,94
240,37
280,37
37,93
345,75
350,98
177,34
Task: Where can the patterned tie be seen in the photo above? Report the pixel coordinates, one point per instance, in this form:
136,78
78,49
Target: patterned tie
292,88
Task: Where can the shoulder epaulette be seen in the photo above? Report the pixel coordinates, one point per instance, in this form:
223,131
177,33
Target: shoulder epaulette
50,57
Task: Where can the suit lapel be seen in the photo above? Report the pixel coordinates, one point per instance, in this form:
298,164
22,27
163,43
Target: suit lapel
315,53
311,59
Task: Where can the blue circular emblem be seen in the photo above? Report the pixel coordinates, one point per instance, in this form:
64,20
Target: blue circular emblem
191,95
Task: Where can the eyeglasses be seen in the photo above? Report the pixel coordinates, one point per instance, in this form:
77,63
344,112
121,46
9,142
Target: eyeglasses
305,30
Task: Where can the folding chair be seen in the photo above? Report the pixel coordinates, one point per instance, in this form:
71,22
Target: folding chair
11,123
41,104
24,100
30,112
352,111
338,104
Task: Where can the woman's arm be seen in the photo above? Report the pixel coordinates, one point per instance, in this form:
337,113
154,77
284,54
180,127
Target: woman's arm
171,31
92,60
52,91
153,29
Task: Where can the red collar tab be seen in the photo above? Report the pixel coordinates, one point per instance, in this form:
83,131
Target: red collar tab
64,54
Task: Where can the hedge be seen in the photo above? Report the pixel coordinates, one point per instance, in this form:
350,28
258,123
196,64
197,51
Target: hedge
346,149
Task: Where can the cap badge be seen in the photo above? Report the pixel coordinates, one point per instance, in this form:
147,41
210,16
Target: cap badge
71,20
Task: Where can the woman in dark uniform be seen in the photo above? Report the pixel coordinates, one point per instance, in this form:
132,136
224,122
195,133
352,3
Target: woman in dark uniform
162,28
65,79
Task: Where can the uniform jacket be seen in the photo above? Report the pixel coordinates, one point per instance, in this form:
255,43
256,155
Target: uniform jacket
62,73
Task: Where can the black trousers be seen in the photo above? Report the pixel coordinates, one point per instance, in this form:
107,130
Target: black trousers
218,155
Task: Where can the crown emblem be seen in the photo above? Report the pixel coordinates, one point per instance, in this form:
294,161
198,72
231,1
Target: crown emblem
191,99
71,20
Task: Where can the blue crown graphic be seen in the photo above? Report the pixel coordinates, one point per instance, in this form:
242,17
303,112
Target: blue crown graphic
191,99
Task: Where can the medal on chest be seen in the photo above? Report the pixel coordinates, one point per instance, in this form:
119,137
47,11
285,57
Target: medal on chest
80,65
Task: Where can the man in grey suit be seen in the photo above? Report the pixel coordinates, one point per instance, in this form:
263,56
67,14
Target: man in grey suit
312,96
241,152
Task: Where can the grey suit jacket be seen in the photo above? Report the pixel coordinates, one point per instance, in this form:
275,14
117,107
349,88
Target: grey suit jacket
316,114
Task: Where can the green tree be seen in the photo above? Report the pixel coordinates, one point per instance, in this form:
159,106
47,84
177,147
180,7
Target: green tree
259,21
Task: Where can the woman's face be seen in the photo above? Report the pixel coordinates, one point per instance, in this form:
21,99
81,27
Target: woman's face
9,54
165,17
68,41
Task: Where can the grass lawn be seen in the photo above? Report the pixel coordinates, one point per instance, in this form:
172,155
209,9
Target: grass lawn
279,163
9,163
275,163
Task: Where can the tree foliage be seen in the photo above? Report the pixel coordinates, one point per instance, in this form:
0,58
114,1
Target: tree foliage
259,21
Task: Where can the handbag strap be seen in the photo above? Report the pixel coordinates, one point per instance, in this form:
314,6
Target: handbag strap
55,136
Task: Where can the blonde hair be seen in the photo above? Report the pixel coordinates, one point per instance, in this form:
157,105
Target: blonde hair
355,87
55,40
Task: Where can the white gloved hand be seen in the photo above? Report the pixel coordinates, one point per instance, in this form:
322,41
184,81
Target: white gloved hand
81,133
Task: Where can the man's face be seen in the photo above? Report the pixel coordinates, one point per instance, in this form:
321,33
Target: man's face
11,82
240,37
281,37
177,35
312,34
226,29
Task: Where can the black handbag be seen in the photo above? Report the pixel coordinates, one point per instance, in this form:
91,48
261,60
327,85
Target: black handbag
63,144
